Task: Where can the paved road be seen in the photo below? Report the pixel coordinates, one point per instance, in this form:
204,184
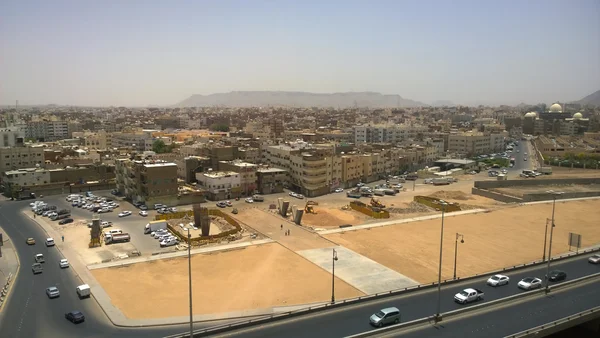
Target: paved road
354,319
30,314
516,317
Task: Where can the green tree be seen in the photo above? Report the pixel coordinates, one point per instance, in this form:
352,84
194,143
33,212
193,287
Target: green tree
219,127
159,147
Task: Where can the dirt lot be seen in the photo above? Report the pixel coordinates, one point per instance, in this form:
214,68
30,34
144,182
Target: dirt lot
223,282
561,172
520,191
503,237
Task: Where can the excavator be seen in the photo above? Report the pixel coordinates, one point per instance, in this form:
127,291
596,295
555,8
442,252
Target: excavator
376,203
309,207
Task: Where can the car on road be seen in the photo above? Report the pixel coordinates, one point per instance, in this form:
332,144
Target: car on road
39,258
30,241
75,317
556,275
221,204
299,196
125,213
529,283
468,295
497,280
249,200
228,203
65,221
52,292
595,259
143,213
36,268
390,315
49,241
64,263
339,190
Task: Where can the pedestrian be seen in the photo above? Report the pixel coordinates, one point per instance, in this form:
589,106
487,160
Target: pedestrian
63,238
282,227
289,232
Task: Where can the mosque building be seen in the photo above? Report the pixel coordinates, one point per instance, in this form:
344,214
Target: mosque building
554,122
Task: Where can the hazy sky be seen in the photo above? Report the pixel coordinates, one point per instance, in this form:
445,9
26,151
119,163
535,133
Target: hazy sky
160,52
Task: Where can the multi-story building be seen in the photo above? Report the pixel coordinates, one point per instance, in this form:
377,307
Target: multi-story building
140,141
218,153
252,155
475,143
13,158
95,140
247,173
190,165
147,181
12,137
25,178
220,185
271,180
47,131
387,133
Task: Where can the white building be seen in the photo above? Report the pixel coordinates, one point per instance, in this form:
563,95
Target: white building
26,177
220,184
475,143
387,133
11,137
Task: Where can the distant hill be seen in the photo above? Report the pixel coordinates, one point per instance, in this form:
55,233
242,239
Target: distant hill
590,100
442,103
298,99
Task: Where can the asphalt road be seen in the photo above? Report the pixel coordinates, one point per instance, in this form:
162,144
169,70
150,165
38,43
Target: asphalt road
515,317
355,319
29,313
524,147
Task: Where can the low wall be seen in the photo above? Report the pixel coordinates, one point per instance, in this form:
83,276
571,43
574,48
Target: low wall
496,196
365,209
435,204
545,196
534,182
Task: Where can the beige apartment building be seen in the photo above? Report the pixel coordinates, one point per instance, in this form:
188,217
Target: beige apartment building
147,181
475,143
98,140
13,158
271,180
220,185
247,173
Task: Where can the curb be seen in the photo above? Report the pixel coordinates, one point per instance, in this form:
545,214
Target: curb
10,281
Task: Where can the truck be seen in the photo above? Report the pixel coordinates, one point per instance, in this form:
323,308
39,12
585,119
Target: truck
258,198
545,170
440,181
353,194
155,225
468,295
391,192
379,192
117,238
83,291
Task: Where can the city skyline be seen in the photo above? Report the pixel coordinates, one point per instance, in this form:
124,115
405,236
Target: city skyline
155,53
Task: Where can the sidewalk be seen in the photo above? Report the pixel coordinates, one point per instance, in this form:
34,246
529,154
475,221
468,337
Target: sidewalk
9,266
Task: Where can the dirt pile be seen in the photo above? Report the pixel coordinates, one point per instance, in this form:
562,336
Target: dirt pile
450,195
412,207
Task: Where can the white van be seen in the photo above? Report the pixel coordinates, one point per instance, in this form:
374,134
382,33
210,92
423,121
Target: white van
84,291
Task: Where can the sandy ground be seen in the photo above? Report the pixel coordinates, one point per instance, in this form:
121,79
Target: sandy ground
251,278
520,191
503,237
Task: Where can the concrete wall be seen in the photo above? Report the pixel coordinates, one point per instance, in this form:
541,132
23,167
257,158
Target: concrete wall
546,197
534,182
496,196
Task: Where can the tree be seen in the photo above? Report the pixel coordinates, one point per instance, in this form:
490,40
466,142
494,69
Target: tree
159,147
219,127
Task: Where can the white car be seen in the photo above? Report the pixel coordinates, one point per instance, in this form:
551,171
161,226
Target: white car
64,263
49,241
498,280
249,200
143,213
124,213
169,242
159,233
595,259
530,283
339,190
52,292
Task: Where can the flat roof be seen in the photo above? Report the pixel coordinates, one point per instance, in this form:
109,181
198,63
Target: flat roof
217,174
455,161
270,170
155,165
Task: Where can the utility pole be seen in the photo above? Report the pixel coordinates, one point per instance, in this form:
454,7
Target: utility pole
439,300
190,281
554,195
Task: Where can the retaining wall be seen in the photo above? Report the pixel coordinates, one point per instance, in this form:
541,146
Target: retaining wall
534,181
545,197
496,196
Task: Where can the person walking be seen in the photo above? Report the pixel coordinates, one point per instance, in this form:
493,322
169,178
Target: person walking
63,238
282,227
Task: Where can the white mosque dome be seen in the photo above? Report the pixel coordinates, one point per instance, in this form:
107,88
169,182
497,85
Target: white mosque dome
556,108
577,116
531,114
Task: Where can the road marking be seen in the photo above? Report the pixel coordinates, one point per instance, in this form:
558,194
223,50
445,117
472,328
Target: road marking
25,310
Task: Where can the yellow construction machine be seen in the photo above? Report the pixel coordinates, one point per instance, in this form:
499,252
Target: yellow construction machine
377,203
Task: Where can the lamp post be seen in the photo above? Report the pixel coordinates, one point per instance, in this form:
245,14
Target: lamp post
554,195
334,258
439,300
462,240
190,281
546,239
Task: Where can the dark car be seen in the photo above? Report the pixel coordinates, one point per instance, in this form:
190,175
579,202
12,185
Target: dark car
66,221
556,275
75,317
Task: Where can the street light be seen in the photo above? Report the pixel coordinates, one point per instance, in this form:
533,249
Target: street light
439,300
462,240
334,258
190,281
554,195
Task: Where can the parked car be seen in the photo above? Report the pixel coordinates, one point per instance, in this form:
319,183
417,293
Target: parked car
221,204
75,317
385,316
65,221
169,242
498,280
124,213
249,200
30,241
339,190
556,275
143,213
228,203
49,241
52,292
595,259
64,263
530,283
299,196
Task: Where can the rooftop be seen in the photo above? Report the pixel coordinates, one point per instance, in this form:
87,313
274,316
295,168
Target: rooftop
164,164
270,170
219,174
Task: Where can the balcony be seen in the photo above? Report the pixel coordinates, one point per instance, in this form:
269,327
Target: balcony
314,180
314,171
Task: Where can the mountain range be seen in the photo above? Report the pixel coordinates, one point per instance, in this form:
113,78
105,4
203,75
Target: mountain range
591,100
299,99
